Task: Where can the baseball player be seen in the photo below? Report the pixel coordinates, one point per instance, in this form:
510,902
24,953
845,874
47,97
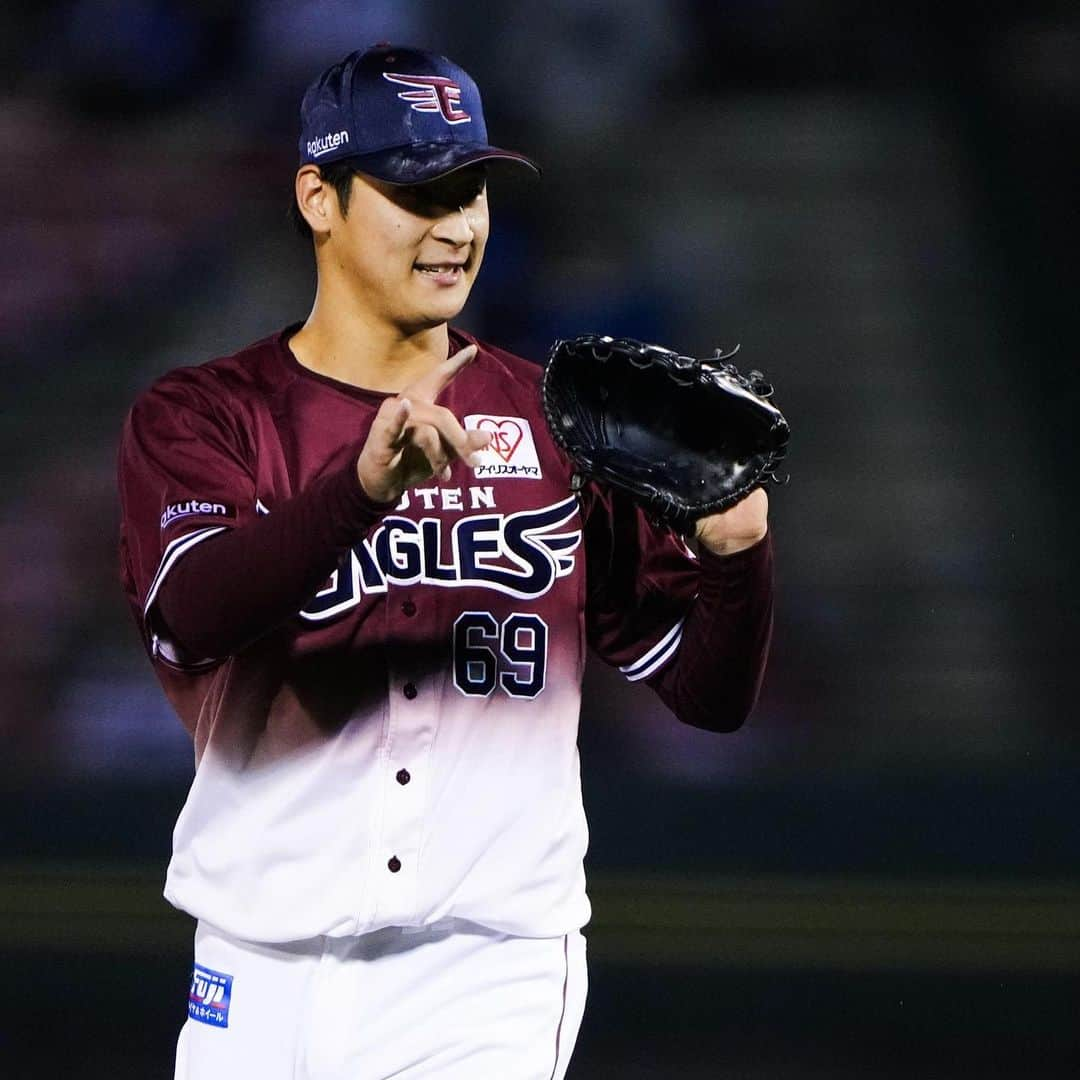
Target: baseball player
367,583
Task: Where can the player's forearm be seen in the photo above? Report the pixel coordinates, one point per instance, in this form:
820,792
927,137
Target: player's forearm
235,587
714,679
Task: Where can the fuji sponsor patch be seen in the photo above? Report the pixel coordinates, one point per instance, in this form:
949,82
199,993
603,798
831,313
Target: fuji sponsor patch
191,507
209,996
512,452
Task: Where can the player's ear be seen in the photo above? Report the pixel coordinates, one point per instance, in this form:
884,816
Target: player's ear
315,199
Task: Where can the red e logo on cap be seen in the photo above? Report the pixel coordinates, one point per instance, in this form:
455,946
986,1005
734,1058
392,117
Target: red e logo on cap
432,93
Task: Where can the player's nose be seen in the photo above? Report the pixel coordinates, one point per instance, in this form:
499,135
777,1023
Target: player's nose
455,226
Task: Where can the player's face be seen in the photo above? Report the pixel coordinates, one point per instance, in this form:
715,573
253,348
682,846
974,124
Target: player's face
414,251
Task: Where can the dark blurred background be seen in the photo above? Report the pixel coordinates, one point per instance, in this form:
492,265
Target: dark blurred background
879,875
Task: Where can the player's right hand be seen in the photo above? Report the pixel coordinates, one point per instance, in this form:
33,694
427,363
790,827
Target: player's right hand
412,439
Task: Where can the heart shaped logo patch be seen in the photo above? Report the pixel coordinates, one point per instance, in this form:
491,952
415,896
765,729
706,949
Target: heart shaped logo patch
511,452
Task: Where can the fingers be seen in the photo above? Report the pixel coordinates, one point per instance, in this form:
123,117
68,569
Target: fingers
389,426
426,439
399,417
420,398
459,442
432,383
477,441
412,439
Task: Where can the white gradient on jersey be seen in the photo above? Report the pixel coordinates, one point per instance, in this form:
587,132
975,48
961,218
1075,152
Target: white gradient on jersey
503,848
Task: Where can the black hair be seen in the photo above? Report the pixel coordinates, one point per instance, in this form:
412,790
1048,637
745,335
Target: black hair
339,175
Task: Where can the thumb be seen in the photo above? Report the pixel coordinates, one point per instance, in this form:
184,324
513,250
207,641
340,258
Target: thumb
475,441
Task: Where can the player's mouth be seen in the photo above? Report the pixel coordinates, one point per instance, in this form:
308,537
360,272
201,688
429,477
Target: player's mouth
444,273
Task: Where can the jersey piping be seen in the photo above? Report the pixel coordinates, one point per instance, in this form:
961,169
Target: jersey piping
181,545
657,656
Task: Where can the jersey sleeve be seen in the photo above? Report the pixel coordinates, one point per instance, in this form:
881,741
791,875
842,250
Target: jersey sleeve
641,580
696,630
186,473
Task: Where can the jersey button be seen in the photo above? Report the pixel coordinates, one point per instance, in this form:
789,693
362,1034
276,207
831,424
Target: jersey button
403,776
409,608
409,690
394,865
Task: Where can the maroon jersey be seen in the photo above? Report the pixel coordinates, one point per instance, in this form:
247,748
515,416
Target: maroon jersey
403,747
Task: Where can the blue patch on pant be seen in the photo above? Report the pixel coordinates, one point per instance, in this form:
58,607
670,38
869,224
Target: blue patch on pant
208,998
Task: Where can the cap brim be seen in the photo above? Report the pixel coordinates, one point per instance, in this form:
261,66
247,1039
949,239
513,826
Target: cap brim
419,164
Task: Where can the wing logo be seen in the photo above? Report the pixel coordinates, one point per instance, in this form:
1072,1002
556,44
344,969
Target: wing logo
521,555
430,94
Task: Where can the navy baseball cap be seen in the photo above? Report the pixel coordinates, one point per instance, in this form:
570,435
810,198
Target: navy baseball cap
401,114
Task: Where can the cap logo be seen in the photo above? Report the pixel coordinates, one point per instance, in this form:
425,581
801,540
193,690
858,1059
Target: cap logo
323,144
432,93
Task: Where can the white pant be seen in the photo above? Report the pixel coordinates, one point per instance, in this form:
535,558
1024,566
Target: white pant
454,1001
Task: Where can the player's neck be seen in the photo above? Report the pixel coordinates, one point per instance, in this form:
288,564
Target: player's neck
361,351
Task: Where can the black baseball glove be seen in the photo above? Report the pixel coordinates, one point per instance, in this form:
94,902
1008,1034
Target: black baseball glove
684,437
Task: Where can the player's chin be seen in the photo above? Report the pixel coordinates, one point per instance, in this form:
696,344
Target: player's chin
444,304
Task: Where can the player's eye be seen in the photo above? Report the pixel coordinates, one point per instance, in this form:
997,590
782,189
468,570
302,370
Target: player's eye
441,196
423,200
473,192
472,183
458,189
412,198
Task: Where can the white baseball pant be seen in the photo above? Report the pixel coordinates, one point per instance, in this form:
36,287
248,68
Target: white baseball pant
454,1001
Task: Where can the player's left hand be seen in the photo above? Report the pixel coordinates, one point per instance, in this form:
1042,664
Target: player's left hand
739,527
